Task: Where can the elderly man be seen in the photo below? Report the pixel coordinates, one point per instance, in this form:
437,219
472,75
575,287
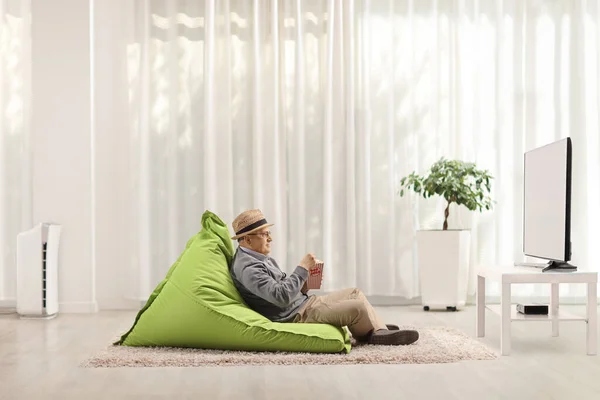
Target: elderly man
282,298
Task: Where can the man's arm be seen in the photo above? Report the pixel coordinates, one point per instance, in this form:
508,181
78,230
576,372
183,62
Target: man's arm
257,280
304,287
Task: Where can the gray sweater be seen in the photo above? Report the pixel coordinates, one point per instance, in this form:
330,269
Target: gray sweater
265,288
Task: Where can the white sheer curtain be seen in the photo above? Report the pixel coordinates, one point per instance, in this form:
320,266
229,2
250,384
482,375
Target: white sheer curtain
313,110
15,189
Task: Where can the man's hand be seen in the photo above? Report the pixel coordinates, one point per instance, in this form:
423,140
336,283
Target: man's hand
308,261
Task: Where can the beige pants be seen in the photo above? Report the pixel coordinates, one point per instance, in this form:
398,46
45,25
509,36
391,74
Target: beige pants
346,307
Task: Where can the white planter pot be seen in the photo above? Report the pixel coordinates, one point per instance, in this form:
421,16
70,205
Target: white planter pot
443,267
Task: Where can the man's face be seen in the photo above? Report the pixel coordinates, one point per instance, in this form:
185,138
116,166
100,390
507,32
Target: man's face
260,241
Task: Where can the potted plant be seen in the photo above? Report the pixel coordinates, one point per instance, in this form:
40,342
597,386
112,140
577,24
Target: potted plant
443,255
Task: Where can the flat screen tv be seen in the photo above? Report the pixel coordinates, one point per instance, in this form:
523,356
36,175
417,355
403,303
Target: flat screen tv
547,205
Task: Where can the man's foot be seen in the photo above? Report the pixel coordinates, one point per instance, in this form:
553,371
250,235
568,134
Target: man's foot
393,337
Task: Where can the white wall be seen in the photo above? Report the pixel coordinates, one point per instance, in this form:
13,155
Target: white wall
113,206
80,154
61,141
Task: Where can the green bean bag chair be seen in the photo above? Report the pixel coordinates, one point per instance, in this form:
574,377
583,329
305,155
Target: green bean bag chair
197,305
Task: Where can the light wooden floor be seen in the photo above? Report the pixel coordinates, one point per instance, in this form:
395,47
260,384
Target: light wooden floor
38,360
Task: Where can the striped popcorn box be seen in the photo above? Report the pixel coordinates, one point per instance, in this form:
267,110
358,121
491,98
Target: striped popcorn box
315,275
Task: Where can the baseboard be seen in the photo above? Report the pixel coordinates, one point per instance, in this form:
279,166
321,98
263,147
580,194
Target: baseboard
8,306
393,301
78,307
121,304
73,307
8,303
565,300
383,301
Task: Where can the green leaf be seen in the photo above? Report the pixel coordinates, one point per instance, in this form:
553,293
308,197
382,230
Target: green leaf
455,181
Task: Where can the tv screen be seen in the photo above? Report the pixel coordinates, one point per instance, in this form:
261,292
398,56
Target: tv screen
547,202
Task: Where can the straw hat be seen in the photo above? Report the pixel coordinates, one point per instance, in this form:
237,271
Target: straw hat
248,222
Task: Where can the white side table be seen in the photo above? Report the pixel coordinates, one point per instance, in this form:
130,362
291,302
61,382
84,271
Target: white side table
508,275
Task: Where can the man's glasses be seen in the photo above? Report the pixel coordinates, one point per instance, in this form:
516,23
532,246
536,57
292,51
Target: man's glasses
263,234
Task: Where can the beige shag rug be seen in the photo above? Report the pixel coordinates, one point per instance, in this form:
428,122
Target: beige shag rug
435,345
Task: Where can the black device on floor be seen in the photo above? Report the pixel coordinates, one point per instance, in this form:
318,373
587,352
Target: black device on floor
533,309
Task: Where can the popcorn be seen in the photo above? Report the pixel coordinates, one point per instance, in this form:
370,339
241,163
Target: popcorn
315,276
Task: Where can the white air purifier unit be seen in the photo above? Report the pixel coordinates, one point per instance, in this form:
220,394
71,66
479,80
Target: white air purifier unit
37,271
